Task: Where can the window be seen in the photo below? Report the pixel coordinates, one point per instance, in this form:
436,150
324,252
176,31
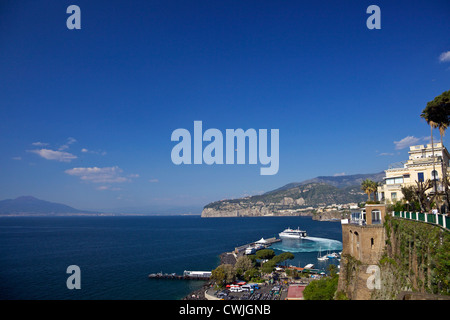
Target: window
376,217
356,215
394,196
420,177
396,180
434,175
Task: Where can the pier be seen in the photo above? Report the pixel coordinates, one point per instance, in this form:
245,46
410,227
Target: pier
262,243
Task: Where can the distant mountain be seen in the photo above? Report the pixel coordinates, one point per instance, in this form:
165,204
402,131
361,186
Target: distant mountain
30,205
337,181
295,198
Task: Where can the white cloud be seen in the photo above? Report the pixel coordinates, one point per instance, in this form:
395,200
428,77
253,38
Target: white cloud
444,57
409,141
406,142
70,141
103,188
153,180
54,155
39,144
100,152
17,158
386,154
100,175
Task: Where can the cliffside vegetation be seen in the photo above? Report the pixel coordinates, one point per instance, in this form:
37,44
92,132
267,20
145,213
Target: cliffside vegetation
416,258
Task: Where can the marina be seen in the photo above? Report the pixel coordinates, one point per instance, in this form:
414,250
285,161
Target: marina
252,248
205,275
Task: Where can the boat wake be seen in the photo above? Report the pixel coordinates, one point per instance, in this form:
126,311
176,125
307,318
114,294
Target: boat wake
308,244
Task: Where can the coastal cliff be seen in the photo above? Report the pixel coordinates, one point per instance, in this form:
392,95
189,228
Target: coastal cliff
297,199
287,207
305,198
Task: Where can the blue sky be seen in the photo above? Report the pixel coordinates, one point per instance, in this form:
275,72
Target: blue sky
87,115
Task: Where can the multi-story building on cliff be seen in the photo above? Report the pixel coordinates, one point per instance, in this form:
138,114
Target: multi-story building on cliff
425,162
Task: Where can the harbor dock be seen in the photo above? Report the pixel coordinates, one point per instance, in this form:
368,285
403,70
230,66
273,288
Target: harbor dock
257,245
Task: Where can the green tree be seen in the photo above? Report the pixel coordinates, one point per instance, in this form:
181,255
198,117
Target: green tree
332,269
253,275
283,257
421,189
369,187
410,196
243,264
268,266
437,115
374,188
265,254
223,274
323,289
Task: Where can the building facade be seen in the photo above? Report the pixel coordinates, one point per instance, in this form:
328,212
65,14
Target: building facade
420,166
363,240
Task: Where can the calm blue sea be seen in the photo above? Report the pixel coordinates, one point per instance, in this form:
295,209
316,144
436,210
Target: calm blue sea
116,254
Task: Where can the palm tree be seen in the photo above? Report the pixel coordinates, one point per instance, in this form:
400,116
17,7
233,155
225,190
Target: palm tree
431,116
368,187
437,114
373,189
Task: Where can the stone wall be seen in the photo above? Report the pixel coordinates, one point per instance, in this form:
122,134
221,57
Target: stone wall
362,249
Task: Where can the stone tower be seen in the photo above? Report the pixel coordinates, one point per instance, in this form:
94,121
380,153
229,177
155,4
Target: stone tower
363,240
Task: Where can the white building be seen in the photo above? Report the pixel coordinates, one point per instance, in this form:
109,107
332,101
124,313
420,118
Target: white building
420,166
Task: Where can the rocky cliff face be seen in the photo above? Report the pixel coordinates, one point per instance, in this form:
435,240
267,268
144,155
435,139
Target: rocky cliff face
286,207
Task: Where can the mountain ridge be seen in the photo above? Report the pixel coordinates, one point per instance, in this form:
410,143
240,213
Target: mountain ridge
29,205
337,181
296,198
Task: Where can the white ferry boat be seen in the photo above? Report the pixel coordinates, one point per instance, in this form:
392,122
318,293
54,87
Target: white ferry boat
292,234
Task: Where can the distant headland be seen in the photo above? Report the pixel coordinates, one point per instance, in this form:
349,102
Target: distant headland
324,197
31,206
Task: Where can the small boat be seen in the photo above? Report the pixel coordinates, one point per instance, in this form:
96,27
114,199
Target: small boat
320,257
250,250
332,255
309,266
